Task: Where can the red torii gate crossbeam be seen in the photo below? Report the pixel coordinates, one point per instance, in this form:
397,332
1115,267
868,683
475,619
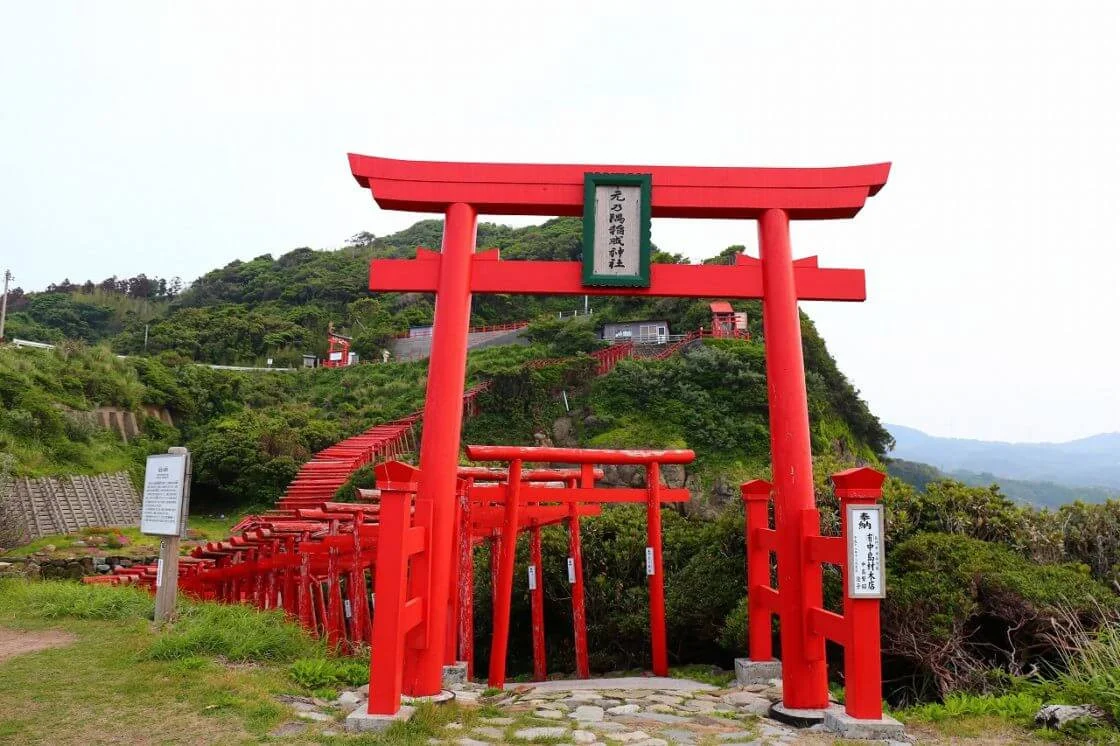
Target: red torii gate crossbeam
772,196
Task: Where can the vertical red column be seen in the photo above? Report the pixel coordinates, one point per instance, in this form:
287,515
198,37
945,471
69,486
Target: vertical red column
504,590
451,643
756,508
575,577
536,595
656,577
439,444
804,673
863,674
466,587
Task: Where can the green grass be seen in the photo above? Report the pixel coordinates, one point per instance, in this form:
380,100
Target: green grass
58,599
705,674
235,633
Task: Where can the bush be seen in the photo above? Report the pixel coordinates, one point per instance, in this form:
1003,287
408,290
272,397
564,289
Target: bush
959,607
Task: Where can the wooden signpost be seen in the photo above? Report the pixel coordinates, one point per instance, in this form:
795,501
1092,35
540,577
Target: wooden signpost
164,513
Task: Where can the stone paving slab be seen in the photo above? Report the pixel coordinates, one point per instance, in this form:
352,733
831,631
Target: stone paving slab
648,683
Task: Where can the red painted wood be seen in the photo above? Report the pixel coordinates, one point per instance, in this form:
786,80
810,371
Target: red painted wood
804,673
579,612
420,275
756,503
503,593
678,191
536,598
439,445
657,579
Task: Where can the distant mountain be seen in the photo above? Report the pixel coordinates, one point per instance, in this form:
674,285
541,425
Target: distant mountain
1087,462
1038,494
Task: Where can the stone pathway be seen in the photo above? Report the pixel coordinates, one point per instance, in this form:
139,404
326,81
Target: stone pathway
609,712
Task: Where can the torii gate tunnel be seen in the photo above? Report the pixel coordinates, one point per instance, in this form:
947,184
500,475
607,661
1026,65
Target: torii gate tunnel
771,196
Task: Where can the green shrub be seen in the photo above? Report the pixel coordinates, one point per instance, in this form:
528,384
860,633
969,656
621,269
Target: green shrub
957,608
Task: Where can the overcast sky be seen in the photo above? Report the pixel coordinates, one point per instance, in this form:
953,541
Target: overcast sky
172,138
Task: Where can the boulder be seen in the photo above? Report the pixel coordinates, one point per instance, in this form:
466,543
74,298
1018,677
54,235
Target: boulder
1056,716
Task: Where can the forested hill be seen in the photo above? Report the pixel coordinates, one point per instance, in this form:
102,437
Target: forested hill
280,307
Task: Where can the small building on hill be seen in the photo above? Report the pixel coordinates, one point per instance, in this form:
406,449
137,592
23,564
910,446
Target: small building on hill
646,331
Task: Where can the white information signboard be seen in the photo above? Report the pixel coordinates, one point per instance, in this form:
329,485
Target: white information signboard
866,563
649,560
571,570
532,577
164,478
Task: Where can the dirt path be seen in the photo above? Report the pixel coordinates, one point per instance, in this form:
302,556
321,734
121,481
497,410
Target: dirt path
13,643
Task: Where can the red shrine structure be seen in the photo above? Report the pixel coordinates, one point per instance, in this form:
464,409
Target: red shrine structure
338,349
419,554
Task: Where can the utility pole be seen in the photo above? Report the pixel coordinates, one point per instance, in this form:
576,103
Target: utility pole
4,303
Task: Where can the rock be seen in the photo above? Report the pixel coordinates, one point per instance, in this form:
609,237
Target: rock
665,699
1055,716
548,714
661,717
49,548
653,742
662,708
632,736
739,735
102,568
587,713
498,721
673,474
562,432
315,715
494,734
583,736
347,698
532,734
624,710
680,736
454,726
471,742
466,695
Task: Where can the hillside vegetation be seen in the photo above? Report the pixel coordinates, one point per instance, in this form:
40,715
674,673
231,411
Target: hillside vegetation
981,588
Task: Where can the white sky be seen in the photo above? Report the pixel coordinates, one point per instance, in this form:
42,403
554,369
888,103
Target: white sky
172,138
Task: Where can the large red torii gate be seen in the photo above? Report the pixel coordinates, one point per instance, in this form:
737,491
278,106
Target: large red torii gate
772,196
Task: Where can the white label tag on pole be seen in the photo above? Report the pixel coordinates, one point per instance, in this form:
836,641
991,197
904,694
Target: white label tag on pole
532,577
571,570
649,560
159,572
346,605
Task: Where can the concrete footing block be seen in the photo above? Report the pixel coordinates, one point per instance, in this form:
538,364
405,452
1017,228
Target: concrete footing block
798,717
455,675
360,721
846,726
748,672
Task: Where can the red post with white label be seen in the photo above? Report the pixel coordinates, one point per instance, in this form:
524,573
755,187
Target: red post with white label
536,597
859,492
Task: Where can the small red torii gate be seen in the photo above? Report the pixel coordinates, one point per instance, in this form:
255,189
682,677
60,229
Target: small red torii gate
771,196
512,497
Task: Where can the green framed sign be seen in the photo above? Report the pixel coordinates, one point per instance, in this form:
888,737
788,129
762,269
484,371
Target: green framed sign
616,218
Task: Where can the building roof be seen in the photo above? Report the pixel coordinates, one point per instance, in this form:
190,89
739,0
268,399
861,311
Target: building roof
721,306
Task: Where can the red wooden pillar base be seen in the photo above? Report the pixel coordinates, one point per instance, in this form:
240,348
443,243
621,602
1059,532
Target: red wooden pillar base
575,578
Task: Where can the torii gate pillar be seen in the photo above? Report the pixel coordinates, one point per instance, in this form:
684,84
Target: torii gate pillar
439,446
804,670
